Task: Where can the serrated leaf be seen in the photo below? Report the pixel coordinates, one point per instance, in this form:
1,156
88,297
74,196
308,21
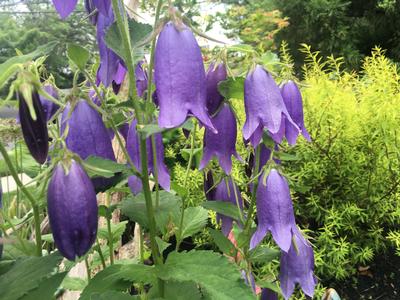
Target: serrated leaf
194,220
149,130
111,295
225,208
223,243
98,166
74,283
177,291
162,245
232,88
213,272
118,277
116,229
263,254
47,288
78,55
26,275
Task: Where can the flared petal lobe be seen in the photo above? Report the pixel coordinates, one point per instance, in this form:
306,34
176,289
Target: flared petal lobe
297,266
65,7
215,74
264,107
267,294
293,101
274,211
103,6
180,78
49,108
221,144
72,209
35,132
90,9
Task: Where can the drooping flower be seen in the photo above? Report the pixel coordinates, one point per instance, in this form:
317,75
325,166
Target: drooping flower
72,209
208,185
103,6
274,211
35,132
141,79
133,147
221,144
180,78
215,74
267,294
90,9
264,107
65,7
297,266
49,107
293,101
227,192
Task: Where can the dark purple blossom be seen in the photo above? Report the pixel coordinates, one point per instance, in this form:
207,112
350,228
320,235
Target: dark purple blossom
103,6
180,78
274,211
65,7
225,191
72,209
141,79
264,107
221,144
292,98
215,74
133,147
49,107
267,294
90,9
297,266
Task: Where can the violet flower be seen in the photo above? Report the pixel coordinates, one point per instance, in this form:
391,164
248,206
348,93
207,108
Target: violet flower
64,7
221,144
141,79
226,193
49,107
133,147
90,8
297,266
274,211
264,107
293,101
215,74
180,78
267,294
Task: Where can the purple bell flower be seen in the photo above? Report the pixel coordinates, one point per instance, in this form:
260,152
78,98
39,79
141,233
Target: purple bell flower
72,209
267,294
274,211
141,79
249,280
221,144
226,192
49,108
64,7
103,6
180,78
264,107
90,8
293,101
133,147
297,266
215,74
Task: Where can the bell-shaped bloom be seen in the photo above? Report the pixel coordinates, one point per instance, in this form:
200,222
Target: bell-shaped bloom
90,9
72,209
180,78
215,74
208,185
35,132
294,104
274,211
267,294
103,6
87,134
133,147
264,107
141,79
118,78
221,144
297,266
227,192
65,7
49,107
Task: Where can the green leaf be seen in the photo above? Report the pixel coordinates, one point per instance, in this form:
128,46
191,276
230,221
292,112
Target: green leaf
174,290
270,61
10,66
79,55
213,272
47,288
232,88
74,283
223,243
149,130
116,229
194,220
224,208
97,166
111,295
138,34
263,254
285,156
118,277
26,275
162,245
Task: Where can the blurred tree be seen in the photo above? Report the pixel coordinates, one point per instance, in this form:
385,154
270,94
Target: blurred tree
34,23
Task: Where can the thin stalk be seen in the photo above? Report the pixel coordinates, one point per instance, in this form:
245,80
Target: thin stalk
87,268
110,241
155,170
237,201
35,207
103,261
193,137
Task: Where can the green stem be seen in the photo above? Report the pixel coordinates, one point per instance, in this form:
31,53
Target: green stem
110,240
98,248
155,171
87,268
35,207
193,138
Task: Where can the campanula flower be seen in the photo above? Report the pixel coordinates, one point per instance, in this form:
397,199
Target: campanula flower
49,107
274,211
65,7
180,78
264,107
133,147
221,144
90,9
215,74
267,294
297,266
